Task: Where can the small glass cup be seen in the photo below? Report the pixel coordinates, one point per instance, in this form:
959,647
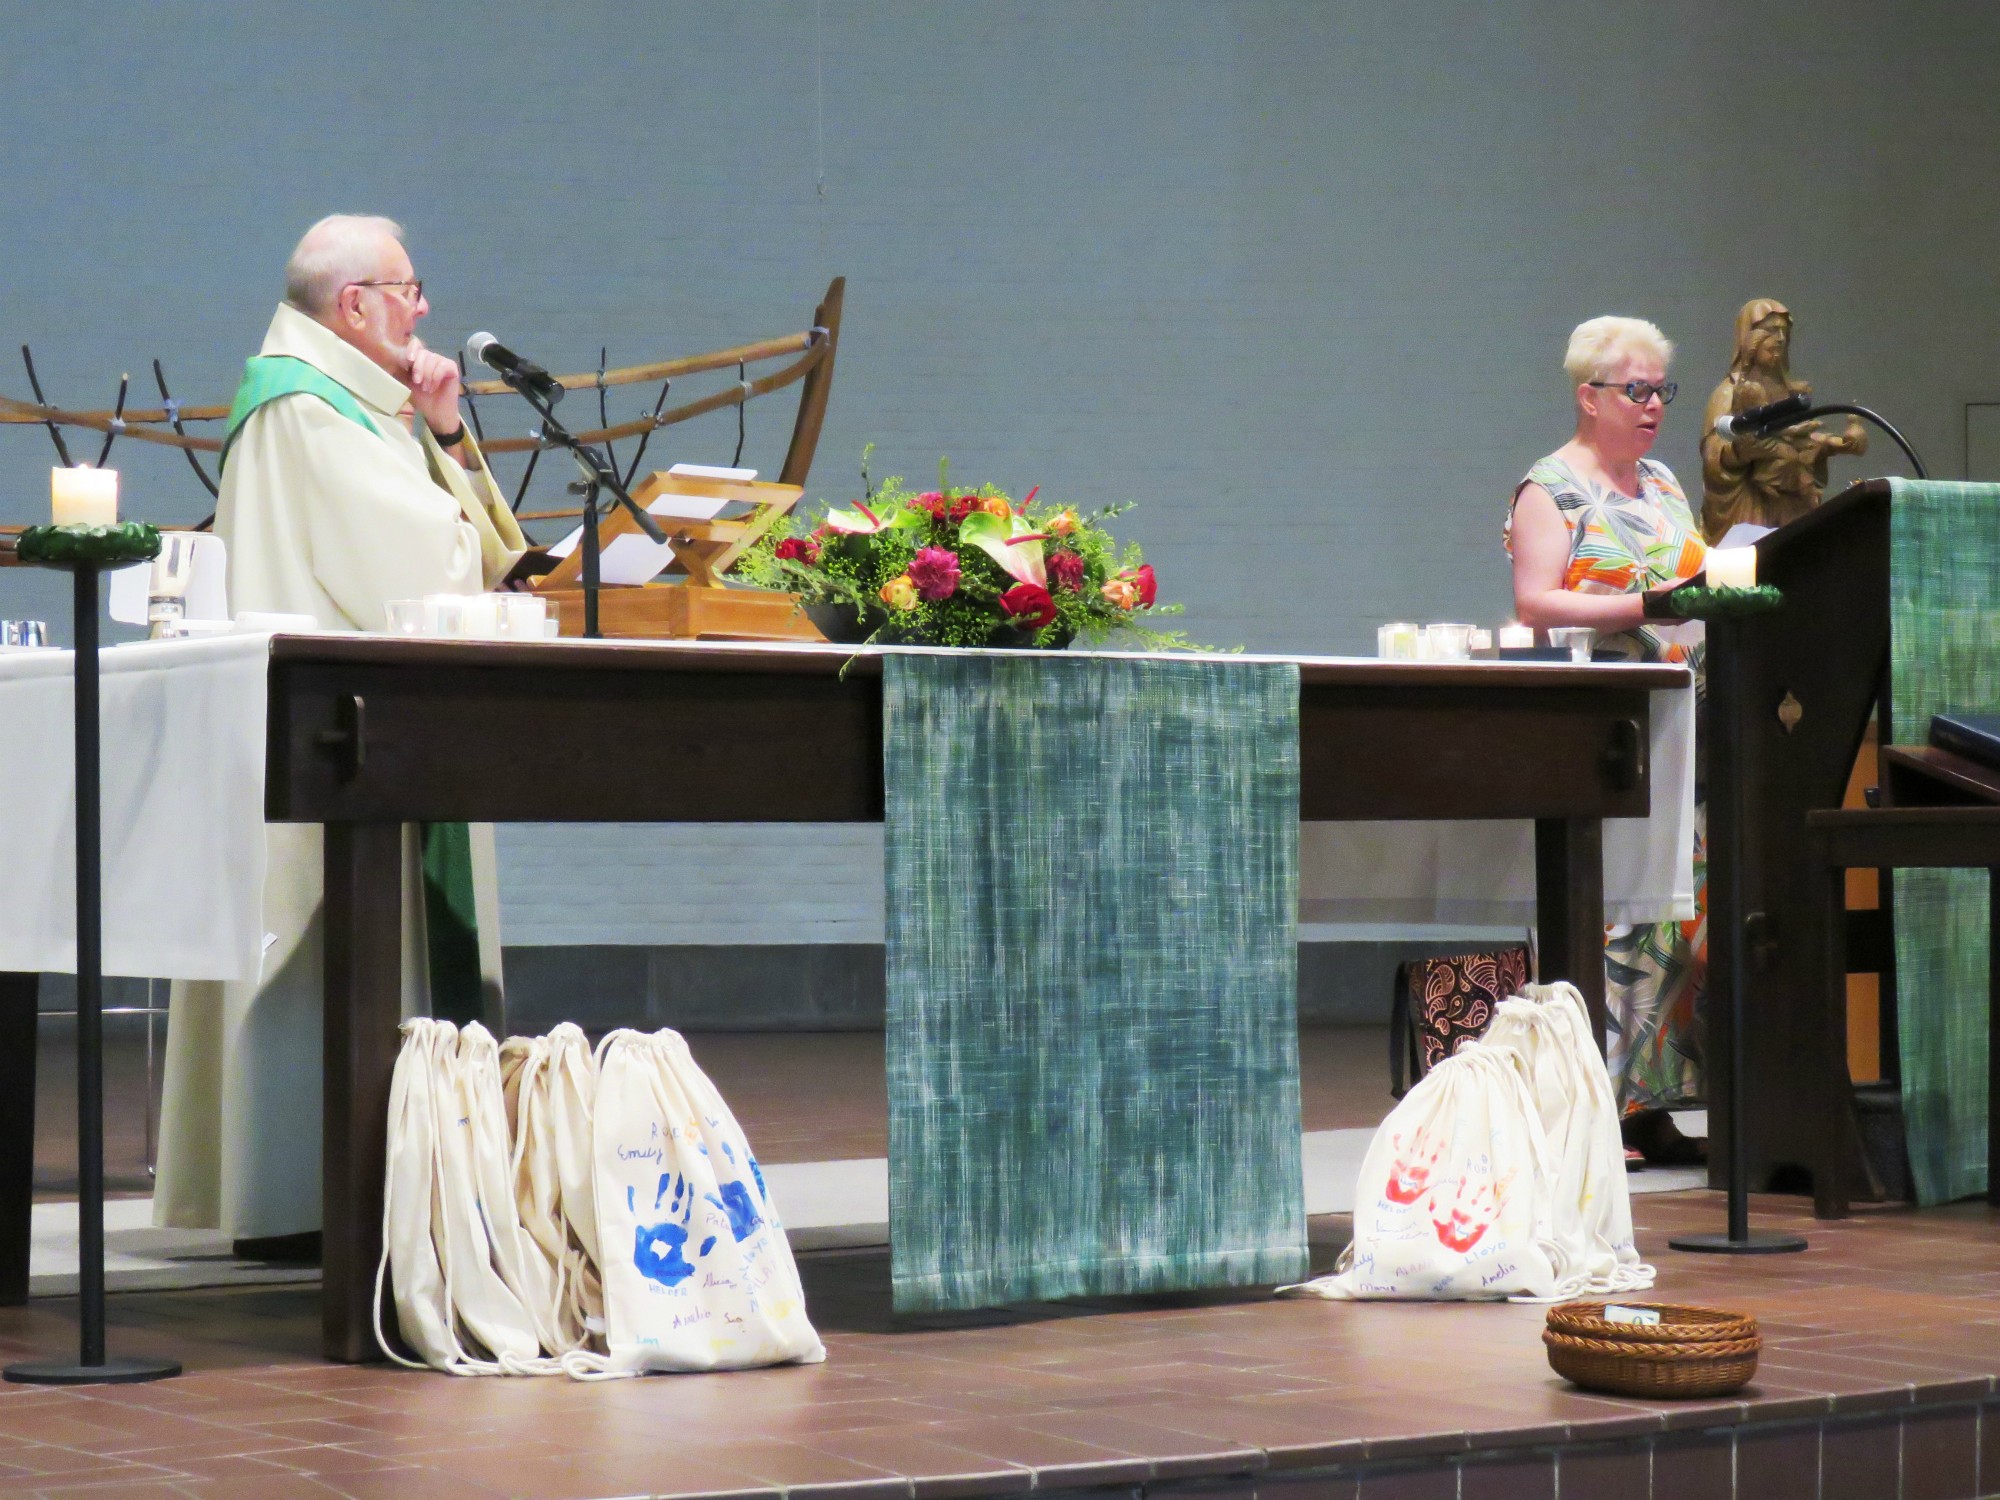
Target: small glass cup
1576,639
406,617
522,616
1449,642
1397,642
444,615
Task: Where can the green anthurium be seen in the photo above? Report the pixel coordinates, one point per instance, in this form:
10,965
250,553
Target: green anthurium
1011,542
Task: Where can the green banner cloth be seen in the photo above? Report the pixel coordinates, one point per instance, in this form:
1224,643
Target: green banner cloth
1944,656
1092,909
451,925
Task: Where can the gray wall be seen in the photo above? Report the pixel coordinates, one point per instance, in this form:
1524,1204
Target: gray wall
1294,276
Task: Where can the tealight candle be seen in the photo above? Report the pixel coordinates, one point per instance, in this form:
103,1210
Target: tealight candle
83,496
482,617
1517,637
1732,567
1398,641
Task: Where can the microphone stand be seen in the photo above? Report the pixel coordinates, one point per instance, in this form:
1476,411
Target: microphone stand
597,477
1845,409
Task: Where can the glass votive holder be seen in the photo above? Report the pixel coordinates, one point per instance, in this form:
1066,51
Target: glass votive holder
1449,642
406,617
444,614
1576,639
481,619
1397,642
24,633
522,616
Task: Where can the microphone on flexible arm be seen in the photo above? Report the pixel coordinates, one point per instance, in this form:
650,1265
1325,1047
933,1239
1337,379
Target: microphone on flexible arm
521,373
1761,421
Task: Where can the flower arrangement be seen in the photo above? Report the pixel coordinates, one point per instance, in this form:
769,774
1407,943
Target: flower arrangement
965,567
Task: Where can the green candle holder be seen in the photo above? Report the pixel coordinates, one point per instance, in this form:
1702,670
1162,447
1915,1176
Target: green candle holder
89,546
1696,601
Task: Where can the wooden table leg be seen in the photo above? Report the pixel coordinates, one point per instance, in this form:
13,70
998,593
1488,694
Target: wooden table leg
1830,1199
1569,908
364,1003
19,996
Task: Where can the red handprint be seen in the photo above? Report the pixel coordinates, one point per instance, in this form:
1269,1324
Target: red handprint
1410,1174
1473,1210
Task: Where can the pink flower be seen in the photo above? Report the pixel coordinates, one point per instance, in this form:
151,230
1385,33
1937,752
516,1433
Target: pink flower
1029,604
934,570
1065,571
933,502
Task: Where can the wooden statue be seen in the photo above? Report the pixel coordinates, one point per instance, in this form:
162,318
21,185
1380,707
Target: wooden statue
1766,481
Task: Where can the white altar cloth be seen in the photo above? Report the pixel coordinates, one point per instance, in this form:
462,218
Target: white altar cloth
182,730
1483,873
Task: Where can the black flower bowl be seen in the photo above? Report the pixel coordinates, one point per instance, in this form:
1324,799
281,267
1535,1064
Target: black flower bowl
850,625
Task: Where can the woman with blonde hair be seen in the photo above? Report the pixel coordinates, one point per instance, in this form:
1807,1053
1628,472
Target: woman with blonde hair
1598,533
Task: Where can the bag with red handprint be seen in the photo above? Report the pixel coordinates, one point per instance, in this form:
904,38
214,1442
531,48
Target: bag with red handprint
1452,1202
696,1271
1546,1032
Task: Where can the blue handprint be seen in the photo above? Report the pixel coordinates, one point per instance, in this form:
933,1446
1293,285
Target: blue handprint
656,1248
736,1202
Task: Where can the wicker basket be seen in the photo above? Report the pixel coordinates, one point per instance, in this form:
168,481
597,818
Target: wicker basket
1691,1351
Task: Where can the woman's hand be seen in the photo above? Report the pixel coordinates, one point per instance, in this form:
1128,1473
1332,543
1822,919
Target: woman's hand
1541,558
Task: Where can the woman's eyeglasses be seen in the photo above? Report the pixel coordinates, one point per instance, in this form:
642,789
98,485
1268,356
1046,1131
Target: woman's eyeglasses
1639,392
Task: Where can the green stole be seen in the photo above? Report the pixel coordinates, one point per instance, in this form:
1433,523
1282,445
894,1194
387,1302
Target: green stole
451,923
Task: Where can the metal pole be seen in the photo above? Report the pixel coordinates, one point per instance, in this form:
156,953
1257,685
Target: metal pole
89,978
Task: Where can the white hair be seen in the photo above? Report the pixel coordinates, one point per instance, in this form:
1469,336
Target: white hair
337,251
1597,348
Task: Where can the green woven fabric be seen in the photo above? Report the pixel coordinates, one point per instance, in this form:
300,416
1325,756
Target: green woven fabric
451,924
1944,656
1092,882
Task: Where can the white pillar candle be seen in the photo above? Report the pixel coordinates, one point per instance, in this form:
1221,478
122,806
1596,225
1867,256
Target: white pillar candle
523,616
83,496
482,617
1517,637
1732,567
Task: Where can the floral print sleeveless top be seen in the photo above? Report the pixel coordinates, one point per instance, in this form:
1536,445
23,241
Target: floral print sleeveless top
1622,544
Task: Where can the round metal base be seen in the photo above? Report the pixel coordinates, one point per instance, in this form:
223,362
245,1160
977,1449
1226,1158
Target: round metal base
1757,1242
111,1372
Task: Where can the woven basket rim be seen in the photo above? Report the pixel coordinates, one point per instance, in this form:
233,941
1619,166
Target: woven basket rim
1679,1323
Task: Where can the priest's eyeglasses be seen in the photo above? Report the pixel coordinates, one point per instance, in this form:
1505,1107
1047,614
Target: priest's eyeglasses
416,290
1639,392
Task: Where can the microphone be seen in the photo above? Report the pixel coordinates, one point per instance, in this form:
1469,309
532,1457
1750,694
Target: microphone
513,368
1761,421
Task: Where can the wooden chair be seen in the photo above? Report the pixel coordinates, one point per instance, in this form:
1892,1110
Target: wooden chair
1954,824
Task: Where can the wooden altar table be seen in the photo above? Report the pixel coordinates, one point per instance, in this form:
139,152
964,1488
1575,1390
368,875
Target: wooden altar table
368,732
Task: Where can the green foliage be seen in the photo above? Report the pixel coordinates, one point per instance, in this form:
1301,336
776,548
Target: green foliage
838,562
103,546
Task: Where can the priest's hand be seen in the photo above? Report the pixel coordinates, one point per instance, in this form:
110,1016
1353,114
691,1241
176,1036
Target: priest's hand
435,386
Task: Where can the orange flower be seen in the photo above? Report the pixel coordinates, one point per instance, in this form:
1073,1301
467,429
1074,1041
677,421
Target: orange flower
997,505
1063,523
900,593
1122,592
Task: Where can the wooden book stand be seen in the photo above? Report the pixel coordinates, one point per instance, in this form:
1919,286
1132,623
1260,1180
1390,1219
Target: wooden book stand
698,604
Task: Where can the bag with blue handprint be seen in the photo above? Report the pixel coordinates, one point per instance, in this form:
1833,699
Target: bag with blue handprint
695,1268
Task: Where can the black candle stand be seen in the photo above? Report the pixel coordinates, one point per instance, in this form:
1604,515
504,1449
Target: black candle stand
84,557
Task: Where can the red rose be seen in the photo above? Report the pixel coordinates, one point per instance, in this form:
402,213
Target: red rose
934,570
1029,604
1143,580
1065,570
793,549
962,507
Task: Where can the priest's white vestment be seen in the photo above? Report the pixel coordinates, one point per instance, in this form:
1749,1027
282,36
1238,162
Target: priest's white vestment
326,517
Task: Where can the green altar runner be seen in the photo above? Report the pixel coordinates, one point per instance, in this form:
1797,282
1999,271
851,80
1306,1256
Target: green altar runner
1092,872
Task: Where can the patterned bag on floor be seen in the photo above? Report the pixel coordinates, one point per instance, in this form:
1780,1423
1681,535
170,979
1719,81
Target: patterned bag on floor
550,1083
696,1270
1546,1031
1452,1202
471,1291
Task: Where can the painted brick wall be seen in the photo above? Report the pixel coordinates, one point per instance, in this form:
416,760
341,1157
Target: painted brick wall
1294,275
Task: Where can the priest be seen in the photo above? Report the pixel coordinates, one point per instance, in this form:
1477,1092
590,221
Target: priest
348,480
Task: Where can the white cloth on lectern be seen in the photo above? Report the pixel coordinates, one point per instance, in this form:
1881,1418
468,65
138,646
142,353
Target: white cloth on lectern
1483,873
182,729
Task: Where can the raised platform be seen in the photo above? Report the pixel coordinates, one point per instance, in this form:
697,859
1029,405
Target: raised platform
1878,1381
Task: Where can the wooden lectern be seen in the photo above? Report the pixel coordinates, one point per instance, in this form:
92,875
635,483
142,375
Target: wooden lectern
1814,674
697,604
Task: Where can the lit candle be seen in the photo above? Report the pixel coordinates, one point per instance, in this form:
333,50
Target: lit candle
84,496
1732,567
1517,637
1397,642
